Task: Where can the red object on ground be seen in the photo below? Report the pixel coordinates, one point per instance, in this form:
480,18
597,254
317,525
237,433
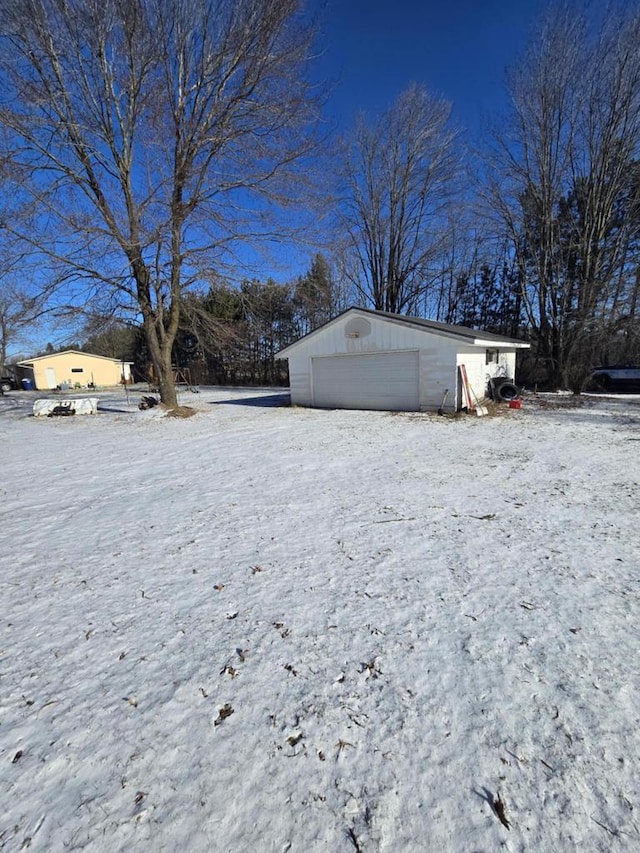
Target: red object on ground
515,404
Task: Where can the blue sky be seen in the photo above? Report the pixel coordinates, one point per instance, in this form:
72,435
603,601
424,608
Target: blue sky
457,48
373,49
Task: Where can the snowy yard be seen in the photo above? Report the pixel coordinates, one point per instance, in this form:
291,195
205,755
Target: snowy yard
276,629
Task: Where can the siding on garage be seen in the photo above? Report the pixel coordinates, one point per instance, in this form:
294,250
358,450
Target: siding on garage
475,363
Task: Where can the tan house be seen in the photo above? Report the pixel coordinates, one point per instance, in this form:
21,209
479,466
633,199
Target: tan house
72,369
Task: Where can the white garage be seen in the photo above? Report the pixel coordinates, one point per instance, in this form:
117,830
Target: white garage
367,359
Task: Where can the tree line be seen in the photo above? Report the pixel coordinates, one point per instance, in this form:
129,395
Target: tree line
230,335
150,148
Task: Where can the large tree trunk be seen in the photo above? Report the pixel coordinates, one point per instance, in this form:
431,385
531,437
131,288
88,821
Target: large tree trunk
161,359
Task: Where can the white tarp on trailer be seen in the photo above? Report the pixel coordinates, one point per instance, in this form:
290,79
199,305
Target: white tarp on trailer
77,406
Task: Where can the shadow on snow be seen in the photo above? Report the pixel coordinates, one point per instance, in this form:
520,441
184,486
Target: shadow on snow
263,401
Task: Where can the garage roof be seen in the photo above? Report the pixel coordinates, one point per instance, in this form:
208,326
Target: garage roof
29,361
475,337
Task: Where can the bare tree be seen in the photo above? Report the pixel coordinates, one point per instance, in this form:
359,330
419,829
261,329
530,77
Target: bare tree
20,312
563,185
27,289
152,135
398,176
14,315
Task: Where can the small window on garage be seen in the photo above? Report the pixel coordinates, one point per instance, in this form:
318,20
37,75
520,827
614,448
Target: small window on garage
492,356
77,369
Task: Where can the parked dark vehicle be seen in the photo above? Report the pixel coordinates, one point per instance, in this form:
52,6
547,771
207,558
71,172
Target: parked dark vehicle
8,383
617,377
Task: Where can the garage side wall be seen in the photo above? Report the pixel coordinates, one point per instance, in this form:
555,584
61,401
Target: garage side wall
478,371
437,356
300,379
505,366
474,360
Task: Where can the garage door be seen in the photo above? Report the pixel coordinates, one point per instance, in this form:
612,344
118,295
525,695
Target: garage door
385,380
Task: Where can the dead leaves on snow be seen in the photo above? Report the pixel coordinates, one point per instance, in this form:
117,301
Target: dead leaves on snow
353,838
223,713
343,744
371,668
497,805
498,808
495,801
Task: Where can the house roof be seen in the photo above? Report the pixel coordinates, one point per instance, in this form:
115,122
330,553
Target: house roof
29,361
475,337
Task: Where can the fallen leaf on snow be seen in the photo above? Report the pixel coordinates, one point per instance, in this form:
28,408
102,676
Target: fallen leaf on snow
498,807
223,713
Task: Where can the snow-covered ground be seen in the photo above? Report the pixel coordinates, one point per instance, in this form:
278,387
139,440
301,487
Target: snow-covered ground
275,629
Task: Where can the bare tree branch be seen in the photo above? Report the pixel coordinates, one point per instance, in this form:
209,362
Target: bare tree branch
399,177
151,131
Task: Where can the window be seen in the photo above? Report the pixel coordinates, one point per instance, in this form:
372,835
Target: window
77,369
492,356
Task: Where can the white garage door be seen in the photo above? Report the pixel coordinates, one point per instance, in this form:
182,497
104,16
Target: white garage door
384,380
